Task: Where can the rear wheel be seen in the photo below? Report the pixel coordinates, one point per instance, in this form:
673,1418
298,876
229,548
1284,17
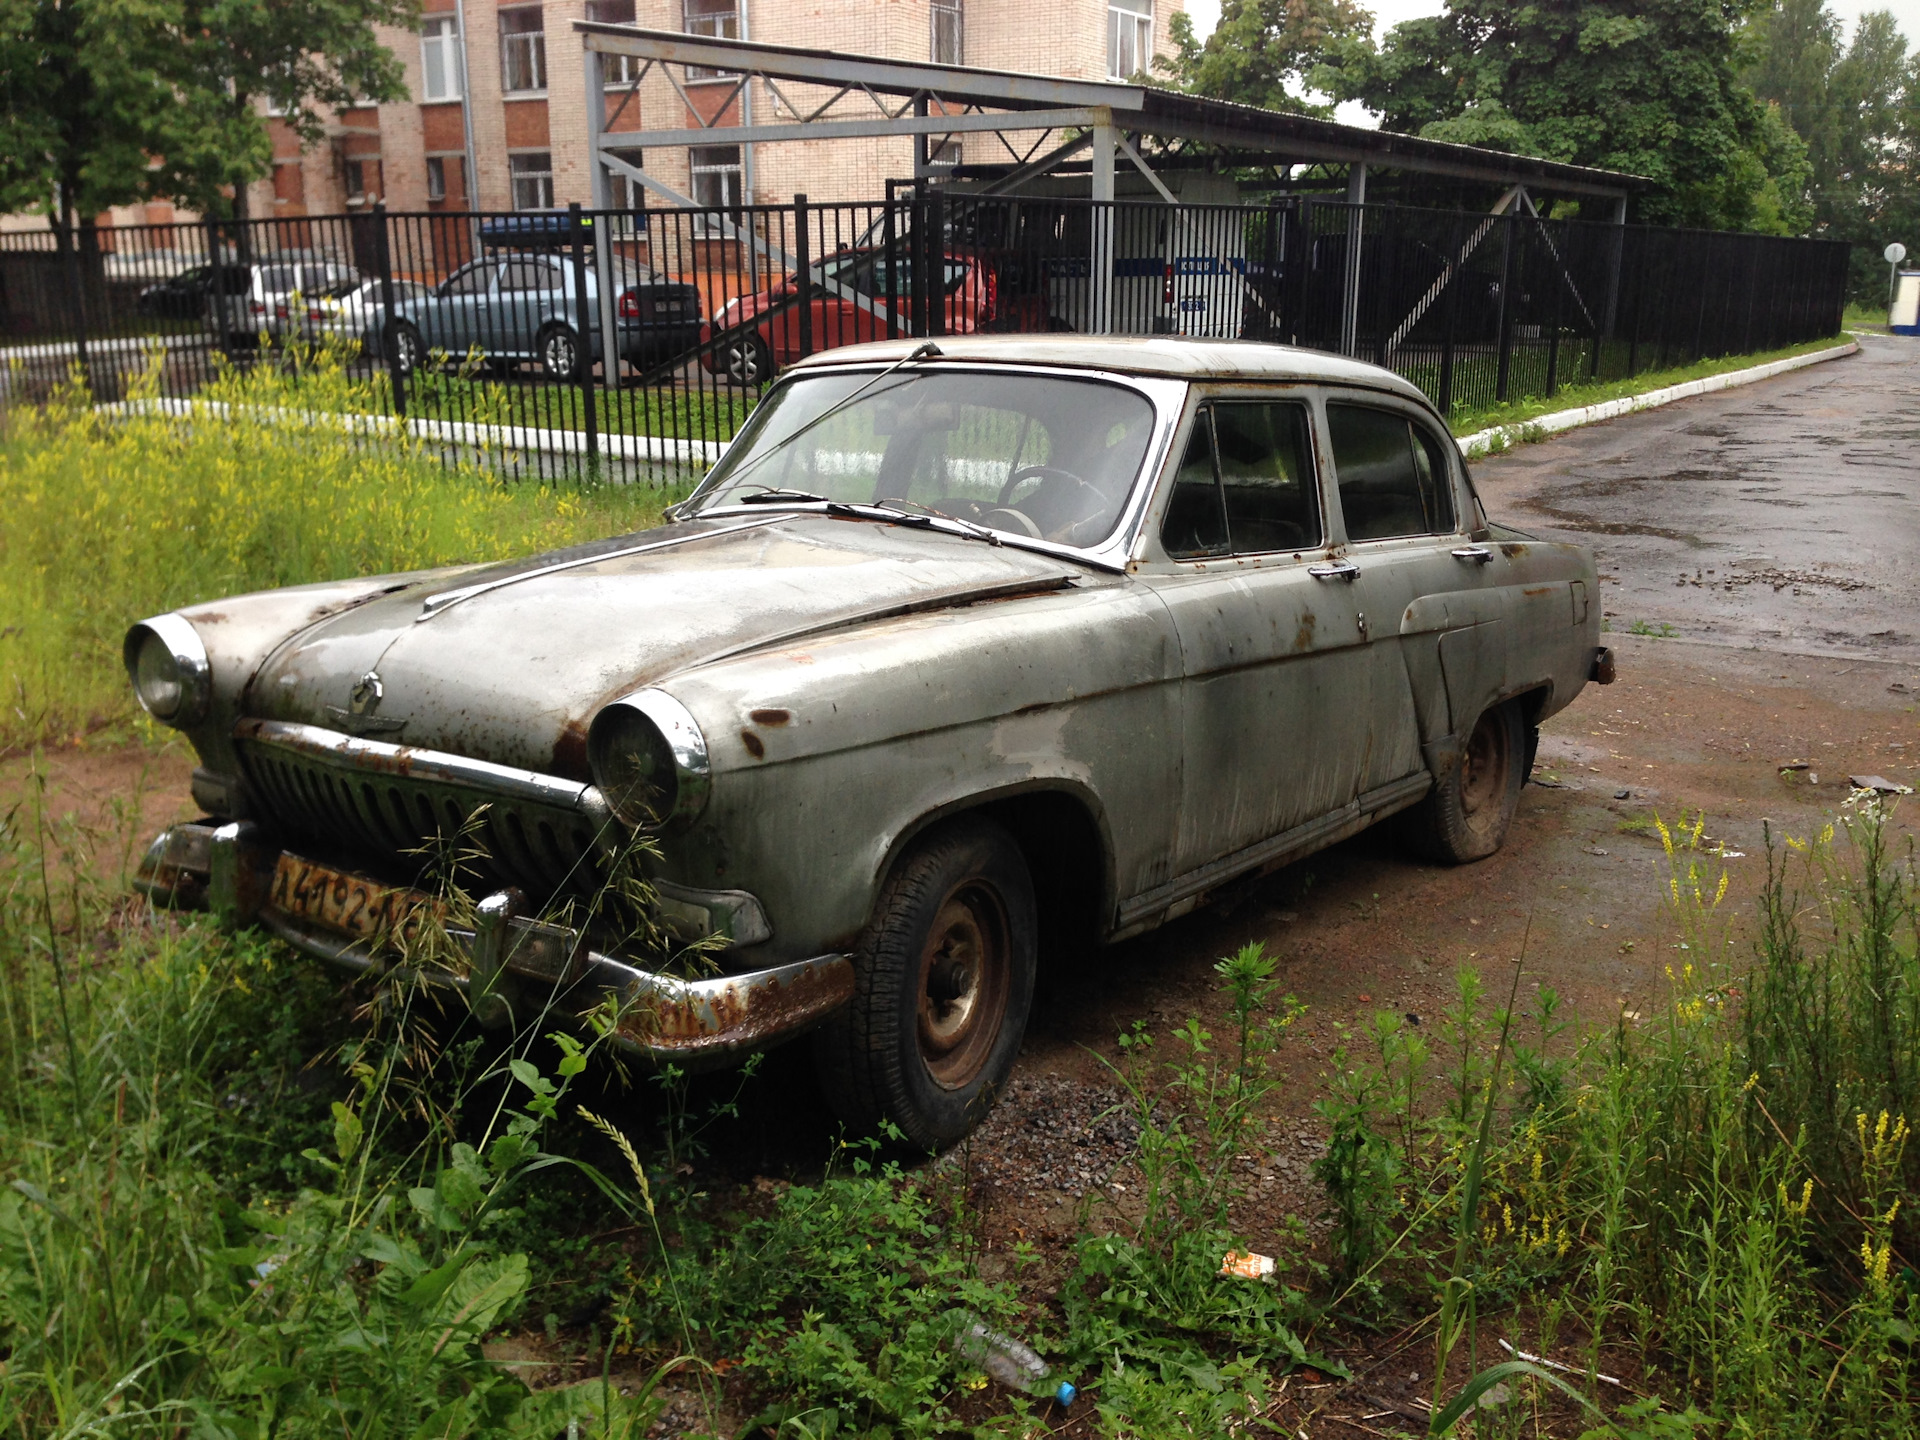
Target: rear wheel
746,360
1466,814
944,984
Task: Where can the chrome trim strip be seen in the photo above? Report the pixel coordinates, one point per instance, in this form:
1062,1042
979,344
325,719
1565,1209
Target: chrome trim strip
410,762
438,604
176,632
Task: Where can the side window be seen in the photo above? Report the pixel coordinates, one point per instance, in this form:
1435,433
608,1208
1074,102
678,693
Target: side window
529,275
1393,476
1196,519
1246,485
472,281
1266,475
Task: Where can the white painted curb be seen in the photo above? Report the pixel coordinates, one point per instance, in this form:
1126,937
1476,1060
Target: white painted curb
636,449
1503,437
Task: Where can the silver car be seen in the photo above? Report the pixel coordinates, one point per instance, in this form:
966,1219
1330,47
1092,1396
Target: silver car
967,651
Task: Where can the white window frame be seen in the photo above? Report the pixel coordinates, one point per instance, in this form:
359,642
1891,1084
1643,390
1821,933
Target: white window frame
1129,38
528,47
615,69
948,22
441,33
540,179
715,25
704,173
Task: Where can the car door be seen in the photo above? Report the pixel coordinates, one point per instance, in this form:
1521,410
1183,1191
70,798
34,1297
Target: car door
529,293
1436,595
1278,712
454,320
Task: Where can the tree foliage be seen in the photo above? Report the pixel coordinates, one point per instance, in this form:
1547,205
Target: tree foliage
1262,51
1650,87
112,101
1856,104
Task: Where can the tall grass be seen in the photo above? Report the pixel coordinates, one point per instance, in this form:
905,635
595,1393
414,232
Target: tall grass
105,518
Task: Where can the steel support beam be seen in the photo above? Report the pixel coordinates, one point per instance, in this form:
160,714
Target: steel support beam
1356,225
1100,262
863,128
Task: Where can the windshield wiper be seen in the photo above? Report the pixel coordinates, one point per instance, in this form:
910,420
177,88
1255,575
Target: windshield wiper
927,351
966,527
774,495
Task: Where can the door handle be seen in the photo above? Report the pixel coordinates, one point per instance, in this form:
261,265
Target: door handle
1473,554
1334,570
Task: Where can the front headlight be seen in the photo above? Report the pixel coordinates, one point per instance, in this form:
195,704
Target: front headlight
169,669
649,760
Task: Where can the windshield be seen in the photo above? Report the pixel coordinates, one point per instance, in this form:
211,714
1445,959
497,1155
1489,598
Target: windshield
1046,457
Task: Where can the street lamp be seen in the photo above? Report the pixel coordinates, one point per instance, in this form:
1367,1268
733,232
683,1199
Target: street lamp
1893,255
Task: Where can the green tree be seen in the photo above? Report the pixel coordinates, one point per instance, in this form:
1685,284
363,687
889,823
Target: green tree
302,57
1262,50
1651,87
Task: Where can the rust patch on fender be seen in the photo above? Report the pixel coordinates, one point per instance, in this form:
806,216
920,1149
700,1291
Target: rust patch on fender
754,745
1303,637
570,752
732,1016
770,717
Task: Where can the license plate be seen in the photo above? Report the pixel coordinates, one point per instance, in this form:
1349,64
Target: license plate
349,904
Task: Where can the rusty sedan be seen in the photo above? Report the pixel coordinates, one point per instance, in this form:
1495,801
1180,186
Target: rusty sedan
966,651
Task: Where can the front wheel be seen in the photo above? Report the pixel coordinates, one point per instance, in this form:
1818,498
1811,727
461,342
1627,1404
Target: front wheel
408,350
559,353
944,983
1466,814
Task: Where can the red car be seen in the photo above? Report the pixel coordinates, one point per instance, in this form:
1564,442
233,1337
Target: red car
855,293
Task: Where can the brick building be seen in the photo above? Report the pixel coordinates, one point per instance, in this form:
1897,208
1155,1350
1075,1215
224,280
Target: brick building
498,117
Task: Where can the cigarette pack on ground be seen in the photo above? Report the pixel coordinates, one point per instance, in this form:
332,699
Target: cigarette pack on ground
1247,1265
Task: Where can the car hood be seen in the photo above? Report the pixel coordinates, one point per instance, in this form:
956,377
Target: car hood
510,664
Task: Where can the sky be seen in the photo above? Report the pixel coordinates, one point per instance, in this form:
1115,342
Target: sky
1388,13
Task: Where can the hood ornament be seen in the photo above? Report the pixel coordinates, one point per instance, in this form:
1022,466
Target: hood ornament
365,697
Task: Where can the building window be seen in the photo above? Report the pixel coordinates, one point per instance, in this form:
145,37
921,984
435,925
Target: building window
716,179
436,178
615,69
623,191
441,73
523,50
949,38
717,20
532,175
1129,38
356,177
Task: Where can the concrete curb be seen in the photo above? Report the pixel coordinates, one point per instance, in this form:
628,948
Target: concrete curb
1505,437
632,449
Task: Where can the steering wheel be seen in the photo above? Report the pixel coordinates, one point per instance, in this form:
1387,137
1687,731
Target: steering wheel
1041,473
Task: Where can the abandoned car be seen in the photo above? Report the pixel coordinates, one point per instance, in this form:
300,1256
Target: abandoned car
965,651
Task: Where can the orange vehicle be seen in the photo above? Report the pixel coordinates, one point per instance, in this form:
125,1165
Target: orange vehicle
858,295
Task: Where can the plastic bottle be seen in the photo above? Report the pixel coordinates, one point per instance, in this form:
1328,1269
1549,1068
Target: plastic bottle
1006,1359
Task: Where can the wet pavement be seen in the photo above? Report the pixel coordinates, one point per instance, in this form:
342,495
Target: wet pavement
1783,515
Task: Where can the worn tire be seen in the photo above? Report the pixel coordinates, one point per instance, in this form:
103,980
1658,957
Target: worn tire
1465,816
957,916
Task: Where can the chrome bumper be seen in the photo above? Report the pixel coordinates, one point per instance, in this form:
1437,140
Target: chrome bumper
518,967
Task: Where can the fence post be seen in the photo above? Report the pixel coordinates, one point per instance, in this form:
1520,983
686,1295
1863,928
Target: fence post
1618,228
1453,262
583,349
389,329
1560,281
891,266
1505,370
803,278
217,297
935,270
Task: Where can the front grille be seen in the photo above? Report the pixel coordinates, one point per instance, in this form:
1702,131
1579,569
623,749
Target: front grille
389,809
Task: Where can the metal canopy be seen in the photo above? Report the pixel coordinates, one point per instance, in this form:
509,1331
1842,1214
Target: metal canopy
941,100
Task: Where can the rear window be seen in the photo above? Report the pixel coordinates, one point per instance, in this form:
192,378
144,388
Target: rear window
1392,473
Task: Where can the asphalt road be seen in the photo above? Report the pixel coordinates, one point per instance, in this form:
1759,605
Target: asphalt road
1783,515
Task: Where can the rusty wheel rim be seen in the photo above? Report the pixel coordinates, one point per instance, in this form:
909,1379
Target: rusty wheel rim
965,976
1483,769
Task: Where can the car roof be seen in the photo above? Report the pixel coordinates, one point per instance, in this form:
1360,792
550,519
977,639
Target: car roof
1166,355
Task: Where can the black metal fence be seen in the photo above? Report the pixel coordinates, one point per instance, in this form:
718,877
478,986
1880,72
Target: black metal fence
635,343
